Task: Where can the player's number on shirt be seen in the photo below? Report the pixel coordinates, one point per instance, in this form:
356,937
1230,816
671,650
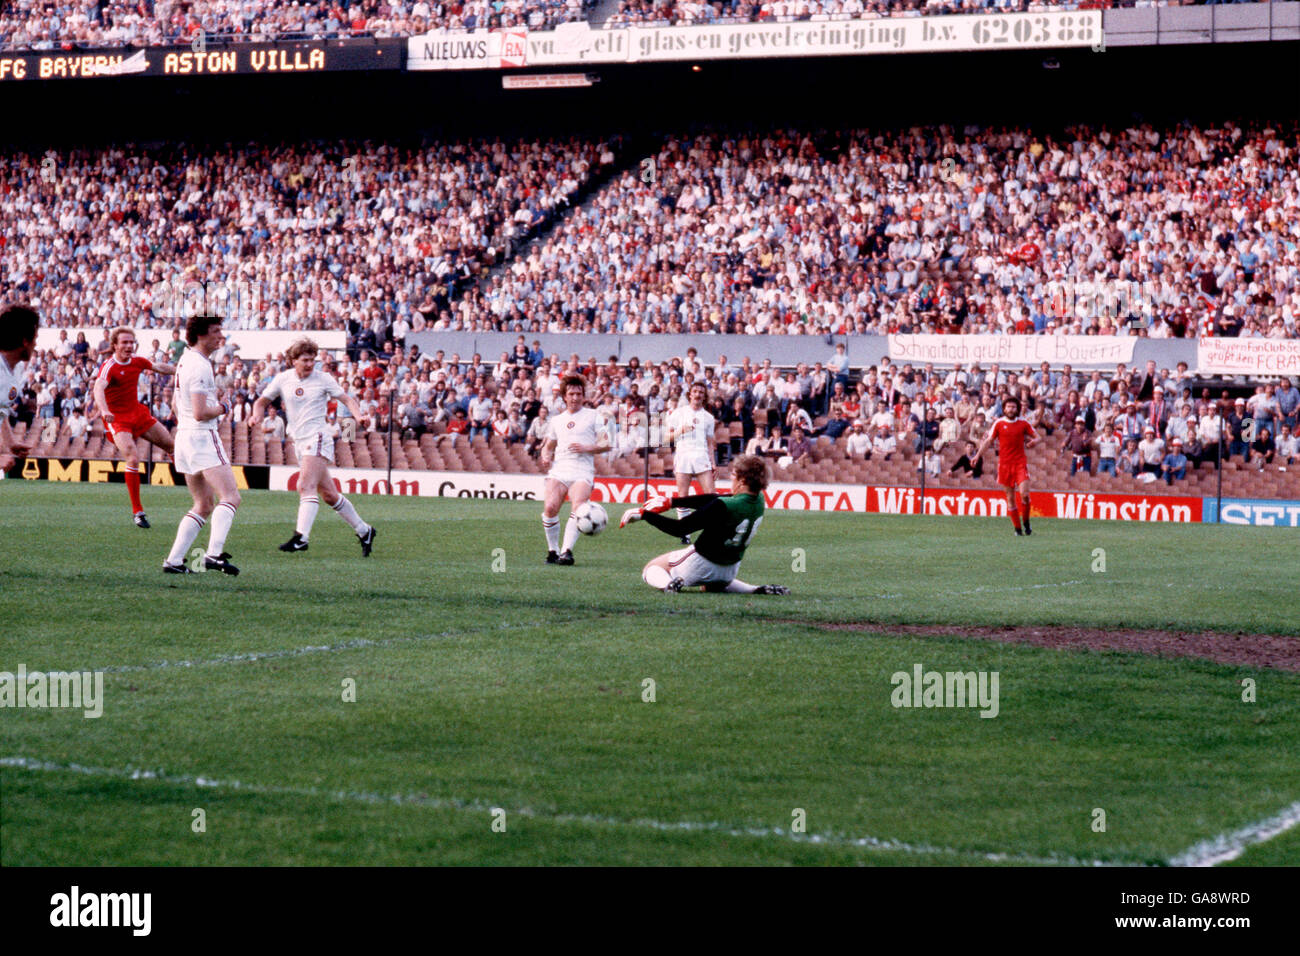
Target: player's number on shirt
743,533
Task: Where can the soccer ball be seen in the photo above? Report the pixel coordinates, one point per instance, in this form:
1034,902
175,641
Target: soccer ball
591,518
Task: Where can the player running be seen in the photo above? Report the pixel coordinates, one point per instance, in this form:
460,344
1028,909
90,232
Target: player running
727,525
305,393
125,417
1013,435
691,428
199,455
18,326
575,438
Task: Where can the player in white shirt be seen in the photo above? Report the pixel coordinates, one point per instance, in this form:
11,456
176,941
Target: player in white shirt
576,437
305,394
690,428
17,343
198,452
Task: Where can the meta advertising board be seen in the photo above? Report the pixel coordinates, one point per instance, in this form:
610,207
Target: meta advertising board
101,470
206,59
572,44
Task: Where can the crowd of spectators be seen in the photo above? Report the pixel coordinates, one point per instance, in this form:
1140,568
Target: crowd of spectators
1172,232
95,24
303,236
1182,231
680,12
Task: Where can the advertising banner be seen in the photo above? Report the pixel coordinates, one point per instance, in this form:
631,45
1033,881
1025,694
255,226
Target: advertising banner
1252,356
460,50
100,470
1013,351
1261,512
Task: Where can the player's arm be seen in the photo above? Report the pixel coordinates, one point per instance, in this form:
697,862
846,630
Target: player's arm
269,394
9,449
1034,438
603,441
351,404
988,440
162,368
715,510
205,408
548,449
693,501
101,396
259,409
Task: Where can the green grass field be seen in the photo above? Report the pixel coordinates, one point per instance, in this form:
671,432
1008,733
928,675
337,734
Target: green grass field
521,690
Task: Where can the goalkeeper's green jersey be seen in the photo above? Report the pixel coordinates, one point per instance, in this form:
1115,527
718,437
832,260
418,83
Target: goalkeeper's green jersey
730,526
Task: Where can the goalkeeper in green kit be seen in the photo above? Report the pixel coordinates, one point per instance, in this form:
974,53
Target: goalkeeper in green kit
727,525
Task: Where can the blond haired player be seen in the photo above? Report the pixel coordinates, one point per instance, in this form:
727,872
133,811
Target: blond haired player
305,392
126,418
576,437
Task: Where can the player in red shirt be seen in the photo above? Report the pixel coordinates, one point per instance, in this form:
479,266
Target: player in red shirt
125,418
1013,435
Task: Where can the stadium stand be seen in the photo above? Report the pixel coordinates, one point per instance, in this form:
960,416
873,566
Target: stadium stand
93,24
860,232
760,231
98,24
680,12
325,233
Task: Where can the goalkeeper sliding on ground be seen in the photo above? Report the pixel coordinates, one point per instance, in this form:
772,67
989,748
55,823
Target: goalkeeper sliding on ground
727,525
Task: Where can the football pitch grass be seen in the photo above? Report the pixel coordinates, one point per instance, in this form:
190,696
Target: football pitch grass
500,712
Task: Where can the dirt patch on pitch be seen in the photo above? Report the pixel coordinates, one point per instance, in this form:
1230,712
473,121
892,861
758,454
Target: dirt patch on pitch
1273,651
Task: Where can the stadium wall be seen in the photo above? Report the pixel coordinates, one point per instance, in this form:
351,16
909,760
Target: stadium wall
1084,351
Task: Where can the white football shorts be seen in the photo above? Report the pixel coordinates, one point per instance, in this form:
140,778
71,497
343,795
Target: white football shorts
198,450
686,564
692,463
320,445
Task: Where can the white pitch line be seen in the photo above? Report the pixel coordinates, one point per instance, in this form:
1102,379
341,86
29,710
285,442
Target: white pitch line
1229,846
478,806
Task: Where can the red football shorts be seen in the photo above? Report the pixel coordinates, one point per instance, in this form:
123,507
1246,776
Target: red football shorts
134,423
1012,474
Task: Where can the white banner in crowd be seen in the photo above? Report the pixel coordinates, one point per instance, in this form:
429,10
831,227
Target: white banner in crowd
249,343
1013,351
1248,356
576,43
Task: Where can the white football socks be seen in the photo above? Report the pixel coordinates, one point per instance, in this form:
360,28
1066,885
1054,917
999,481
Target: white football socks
349,514
552,528
223,516
188,530
308,505
737,586
570,533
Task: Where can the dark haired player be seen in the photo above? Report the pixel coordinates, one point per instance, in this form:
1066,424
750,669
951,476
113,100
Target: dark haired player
18,326
199,455
1013,435
126,418
575,439
727,525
